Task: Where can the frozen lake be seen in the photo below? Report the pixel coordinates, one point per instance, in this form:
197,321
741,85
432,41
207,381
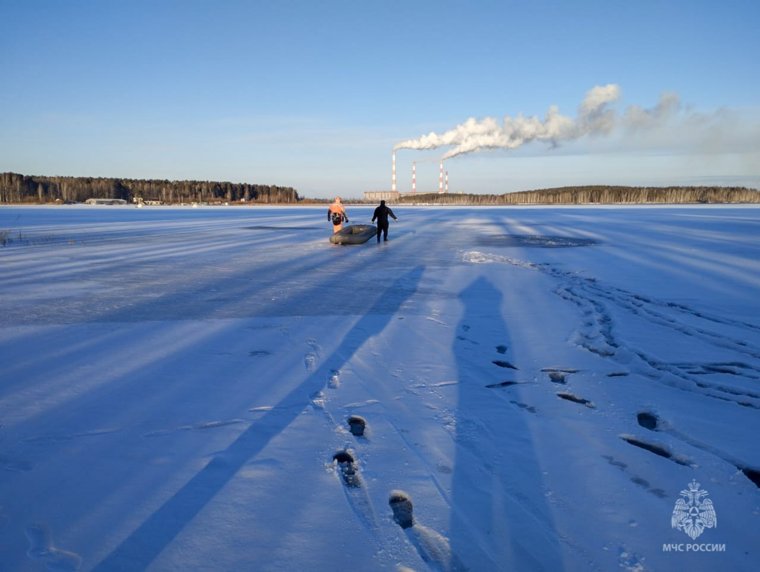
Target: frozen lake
544,384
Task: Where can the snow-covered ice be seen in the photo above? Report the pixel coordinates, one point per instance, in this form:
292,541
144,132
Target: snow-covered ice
543,384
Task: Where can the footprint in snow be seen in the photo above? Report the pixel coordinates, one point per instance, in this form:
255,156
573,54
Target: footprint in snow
508,383
433,547
652,422
259,353
348,469
648,420
334,381
657,449
637,480
630,560
311,359
356,492
41,548
357,425
524,406
566,395
310,362
558,375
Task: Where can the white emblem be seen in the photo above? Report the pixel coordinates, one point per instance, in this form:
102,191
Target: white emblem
693,513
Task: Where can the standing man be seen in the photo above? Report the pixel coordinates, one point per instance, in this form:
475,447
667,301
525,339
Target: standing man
381,214
337,214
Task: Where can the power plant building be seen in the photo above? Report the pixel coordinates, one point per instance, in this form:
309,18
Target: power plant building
390,196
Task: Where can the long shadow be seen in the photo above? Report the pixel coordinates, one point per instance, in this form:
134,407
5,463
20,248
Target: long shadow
141,547
500,519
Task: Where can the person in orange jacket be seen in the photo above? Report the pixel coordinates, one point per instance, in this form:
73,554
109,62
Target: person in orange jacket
337,214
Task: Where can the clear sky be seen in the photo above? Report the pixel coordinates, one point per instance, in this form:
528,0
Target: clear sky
315,94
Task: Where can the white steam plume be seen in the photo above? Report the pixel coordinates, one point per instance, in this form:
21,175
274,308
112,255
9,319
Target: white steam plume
594,117
638,118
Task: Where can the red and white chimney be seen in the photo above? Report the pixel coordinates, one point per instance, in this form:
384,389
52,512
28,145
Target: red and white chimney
393,174
414,176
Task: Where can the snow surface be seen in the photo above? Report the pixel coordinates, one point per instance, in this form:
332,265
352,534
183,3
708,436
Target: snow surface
542,383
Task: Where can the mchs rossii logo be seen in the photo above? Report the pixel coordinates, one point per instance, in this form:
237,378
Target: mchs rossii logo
694,511
692,514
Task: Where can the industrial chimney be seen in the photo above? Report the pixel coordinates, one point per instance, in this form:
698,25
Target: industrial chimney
393,174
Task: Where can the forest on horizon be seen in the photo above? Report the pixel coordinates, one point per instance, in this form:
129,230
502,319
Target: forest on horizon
596,194
16,188
26,189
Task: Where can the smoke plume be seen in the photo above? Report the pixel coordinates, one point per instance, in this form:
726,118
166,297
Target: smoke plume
594,117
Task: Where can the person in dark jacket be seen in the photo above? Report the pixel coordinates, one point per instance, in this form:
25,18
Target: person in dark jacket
381,214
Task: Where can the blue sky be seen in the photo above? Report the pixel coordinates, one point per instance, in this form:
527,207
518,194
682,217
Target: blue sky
315,95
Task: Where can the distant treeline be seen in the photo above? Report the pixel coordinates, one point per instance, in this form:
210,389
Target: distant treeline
15,188
597,194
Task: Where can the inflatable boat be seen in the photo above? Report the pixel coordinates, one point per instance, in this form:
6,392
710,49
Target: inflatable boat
354,234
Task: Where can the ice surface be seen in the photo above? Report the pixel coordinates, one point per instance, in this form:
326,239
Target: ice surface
175,385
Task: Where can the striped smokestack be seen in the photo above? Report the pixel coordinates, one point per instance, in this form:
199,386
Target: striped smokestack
440,179
393,174
414,176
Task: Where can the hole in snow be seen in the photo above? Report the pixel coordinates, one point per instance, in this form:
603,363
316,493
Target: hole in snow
648,420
